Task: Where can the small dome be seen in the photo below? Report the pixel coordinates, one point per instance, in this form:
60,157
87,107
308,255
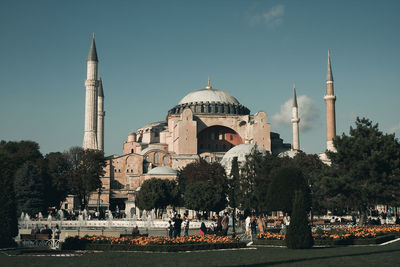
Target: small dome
240,151
162,170
209,95
288,153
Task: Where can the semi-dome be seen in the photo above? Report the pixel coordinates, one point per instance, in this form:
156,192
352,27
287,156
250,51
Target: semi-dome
240,151
163,170
209,95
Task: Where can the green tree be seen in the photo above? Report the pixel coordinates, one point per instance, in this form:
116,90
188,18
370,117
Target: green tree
256,176
368,163
197,180
57,170
87,166
282,188
299,234
20,152
29,190
156,194
315,171
204,196
8,214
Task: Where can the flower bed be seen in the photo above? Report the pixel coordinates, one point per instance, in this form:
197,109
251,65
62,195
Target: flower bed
158,243
359,235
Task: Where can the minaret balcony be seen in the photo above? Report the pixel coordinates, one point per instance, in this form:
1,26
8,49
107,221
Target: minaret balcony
328,97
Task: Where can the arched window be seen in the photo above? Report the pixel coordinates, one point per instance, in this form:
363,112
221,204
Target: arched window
156,158
165,160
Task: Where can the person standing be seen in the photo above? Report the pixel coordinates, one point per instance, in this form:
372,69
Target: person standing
260,224
286,222
177,226
186,225
203,229
57,232
225,225
253,223
170,229
247,224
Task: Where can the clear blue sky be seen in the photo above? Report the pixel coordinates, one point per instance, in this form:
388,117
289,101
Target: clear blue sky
152,53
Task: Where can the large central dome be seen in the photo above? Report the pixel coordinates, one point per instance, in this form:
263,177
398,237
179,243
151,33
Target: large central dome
210,101
209,95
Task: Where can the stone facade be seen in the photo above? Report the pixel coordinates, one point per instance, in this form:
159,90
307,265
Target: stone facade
192,130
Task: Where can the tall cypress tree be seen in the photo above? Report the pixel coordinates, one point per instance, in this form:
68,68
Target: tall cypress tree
299,234
29,190
8,215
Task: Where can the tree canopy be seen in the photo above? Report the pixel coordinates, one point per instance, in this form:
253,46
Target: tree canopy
30,190
86,168
8,214
284,184
156,194
204,186
368,165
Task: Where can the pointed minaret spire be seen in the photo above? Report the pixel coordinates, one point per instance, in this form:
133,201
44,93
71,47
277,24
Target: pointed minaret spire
91,101
100,116
329,76
100,92
209,84
330,99
92,52
295,121
294,96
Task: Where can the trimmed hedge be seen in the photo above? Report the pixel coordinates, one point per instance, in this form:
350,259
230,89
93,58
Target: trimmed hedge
164,248
332,242
75,243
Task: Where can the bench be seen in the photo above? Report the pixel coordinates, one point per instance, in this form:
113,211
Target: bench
39,240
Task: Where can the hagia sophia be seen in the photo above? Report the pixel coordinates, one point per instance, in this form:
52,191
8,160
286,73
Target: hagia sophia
207,123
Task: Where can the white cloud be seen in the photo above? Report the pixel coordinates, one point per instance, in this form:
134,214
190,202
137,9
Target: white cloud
272,18
308,113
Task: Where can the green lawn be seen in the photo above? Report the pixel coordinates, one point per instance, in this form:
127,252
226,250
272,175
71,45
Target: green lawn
388,255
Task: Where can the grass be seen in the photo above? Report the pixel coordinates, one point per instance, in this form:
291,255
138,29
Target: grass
388,255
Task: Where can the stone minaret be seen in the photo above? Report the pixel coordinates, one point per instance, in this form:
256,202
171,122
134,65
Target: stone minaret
295,121
330,99
91,84
100,116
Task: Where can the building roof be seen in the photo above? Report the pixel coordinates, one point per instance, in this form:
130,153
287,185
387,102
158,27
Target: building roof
92,52
163,170
289,153
100,89
209,94
294,97
329,76
240,151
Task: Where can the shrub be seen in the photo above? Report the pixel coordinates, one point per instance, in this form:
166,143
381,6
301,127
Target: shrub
74,243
